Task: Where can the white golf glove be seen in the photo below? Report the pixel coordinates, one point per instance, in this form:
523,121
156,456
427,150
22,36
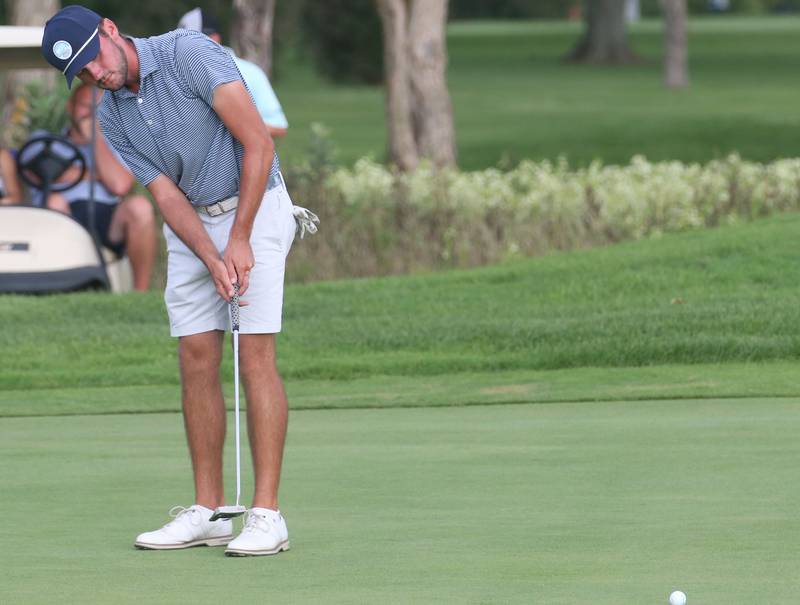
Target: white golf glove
306,220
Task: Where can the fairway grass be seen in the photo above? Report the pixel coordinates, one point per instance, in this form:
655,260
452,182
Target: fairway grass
596,503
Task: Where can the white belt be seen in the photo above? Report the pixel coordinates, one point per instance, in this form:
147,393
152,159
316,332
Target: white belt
230,203
220,207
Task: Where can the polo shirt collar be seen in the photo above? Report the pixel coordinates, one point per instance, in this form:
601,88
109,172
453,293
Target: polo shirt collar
147,61
147,64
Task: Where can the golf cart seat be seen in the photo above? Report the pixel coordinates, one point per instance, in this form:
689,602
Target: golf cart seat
44,251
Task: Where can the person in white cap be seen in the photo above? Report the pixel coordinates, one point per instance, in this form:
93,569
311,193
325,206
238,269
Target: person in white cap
181,118
257,81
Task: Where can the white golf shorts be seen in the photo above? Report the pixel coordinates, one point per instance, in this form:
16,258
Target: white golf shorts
193,303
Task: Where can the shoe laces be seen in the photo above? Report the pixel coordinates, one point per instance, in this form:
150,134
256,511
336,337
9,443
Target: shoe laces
181,513
254,522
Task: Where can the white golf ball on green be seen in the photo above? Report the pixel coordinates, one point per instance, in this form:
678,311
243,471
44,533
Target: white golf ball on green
677,598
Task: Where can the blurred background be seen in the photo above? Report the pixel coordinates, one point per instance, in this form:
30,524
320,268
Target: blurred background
477,141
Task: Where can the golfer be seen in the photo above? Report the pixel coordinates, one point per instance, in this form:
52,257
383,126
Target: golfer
182,119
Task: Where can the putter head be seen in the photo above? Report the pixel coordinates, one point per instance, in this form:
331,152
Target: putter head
228,512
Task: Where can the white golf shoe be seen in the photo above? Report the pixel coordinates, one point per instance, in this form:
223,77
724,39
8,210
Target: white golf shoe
264,533
190,527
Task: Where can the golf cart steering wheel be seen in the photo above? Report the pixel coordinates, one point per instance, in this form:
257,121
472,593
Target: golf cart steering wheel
50,157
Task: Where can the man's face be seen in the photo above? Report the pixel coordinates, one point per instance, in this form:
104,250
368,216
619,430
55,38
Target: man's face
109,69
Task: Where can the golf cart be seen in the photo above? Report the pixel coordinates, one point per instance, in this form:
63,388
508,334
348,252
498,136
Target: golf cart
41,250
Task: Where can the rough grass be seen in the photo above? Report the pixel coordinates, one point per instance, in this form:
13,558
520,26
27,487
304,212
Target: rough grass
715,296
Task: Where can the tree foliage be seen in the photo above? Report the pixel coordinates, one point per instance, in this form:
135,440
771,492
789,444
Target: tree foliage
508,9
345,39
152,17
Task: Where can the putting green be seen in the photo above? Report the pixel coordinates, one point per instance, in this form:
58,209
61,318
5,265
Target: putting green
559,504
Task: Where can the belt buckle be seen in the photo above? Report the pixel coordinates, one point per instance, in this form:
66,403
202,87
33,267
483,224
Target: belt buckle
211,209
218,208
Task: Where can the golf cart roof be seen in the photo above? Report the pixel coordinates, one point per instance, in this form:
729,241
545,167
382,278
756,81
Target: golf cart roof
20,47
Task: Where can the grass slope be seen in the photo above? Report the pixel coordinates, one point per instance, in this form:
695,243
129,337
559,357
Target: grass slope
572,504
514,98
610,307
731,380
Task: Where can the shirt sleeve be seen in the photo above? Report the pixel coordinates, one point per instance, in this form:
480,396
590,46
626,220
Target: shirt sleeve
141,167
203,65
117,155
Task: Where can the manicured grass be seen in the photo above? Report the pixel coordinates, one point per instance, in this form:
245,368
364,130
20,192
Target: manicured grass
711,296
730,380
514,98
592,503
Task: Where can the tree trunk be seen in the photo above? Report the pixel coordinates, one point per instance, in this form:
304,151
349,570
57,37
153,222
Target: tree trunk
605,39
401,144
432,112
252,31
419,114
676,53
32,13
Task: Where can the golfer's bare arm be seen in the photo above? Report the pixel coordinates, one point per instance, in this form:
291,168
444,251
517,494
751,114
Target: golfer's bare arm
235,108
182,218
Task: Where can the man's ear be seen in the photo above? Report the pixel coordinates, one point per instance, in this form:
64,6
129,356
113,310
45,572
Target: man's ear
109,28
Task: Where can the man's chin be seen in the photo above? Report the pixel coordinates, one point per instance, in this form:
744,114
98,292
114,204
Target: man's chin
113,86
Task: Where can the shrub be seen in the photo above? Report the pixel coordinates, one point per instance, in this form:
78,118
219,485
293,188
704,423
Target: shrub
376,221
39,107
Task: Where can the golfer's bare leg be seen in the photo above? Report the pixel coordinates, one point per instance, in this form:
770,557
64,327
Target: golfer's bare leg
267,414
204,413
134,223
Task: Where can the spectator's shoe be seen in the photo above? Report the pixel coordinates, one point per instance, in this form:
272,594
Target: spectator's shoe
190,527
264,533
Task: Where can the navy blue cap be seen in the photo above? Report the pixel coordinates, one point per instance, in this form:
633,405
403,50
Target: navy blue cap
71,40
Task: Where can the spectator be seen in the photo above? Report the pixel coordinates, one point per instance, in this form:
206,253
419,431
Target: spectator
254,77
125,222
10,188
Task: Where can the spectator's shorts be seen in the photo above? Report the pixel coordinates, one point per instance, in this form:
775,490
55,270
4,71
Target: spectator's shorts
193,304
103,214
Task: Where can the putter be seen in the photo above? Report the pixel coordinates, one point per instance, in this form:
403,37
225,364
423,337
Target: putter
229,512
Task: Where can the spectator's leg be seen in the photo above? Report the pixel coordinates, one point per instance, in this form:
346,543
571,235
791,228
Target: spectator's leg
56,201
134,223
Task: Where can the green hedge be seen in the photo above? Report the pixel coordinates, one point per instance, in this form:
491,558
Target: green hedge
376,221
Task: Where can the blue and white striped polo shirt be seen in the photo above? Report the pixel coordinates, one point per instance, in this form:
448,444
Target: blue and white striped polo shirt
170,127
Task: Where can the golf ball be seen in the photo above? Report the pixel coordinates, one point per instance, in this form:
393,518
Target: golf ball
677,598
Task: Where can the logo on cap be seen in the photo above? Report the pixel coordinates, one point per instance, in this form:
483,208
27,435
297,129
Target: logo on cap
62,49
